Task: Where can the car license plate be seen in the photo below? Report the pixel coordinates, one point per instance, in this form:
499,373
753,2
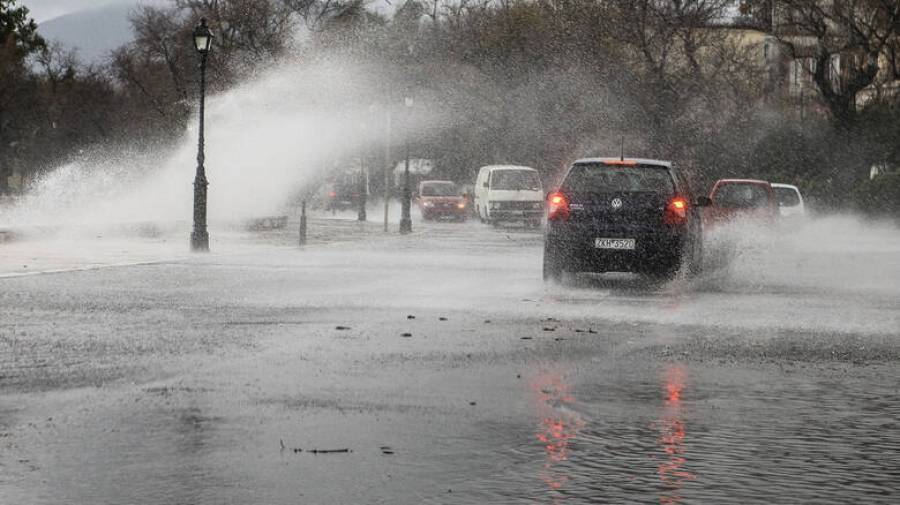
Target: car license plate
614,243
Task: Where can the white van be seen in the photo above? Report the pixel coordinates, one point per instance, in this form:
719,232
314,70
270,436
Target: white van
509,193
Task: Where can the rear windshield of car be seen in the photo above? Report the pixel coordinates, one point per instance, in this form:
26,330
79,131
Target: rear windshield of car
603,178
512,180
787,197
741,196
442,189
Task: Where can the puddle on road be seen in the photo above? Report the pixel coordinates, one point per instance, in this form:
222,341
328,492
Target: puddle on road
680,438
560,432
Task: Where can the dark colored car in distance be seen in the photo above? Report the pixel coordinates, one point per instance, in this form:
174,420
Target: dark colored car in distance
622,215
441,199
341,197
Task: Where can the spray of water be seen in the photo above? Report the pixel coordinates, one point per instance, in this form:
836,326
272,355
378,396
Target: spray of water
264,141
839,253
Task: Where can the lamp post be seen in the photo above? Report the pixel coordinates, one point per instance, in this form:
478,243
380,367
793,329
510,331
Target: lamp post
199,236
363,188
388,167
405,220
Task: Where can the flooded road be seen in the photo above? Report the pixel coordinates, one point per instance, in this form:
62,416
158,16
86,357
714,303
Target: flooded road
437,368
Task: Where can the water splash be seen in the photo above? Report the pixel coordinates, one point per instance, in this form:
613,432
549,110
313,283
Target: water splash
265,140
838,253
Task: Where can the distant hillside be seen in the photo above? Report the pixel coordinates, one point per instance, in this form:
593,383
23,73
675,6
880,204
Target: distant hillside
93,32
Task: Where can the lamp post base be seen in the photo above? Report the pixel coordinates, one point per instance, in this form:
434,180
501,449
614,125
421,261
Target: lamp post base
199,241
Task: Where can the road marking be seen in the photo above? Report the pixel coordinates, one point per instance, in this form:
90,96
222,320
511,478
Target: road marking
84,268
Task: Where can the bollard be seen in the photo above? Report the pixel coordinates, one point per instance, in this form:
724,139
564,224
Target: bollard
303,223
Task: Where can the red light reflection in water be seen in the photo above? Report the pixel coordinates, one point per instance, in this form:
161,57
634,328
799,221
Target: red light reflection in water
672,433
558,427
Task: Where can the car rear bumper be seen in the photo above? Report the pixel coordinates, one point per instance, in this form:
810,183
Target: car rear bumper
654,251
516,215
433,212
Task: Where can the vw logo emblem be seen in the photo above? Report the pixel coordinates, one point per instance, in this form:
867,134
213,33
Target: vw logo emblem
616,203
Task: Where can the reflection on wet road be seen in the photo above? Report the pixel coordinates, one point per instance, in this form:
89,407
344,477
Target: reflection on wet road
672,436
672,433
559,426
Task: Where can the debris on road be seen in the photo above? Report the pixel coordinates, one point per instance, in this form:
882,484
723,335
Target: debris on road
341,328
328,451
298,450
406,335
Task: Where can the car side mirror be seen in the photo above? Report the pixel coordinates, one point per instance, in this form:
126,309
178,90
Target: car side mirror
703,201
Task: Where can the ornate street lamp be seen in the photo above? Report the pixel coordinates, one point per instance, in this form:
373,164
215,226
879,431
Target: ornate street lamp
405,220
200,237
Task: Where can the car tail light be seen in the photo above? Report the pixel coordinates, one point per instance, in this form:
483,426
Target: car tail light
332,194
557,207
676,211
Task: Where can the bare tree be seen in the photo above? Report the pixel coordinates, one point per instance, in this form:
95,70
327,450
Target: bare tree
848,42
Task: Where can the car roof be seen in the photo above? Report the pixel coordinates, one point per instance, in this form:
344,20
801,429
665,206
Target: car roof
637,161
783,185
744,181
507,167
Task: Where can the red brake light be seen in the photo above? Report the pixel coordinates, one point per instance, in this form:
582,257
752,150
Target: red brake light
557,207
332,194
676,211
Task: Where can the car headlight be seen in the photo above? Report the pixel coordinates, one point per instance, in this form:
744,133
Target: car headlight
428,204
461,205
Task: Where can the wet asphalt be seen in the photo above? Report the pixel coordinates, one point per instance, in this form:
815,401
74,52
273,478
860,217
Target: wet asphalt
438,368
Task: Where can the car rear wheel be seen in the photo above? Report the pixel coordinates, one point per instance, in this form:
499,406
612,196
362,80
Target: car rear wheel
664,270
694,263
553,264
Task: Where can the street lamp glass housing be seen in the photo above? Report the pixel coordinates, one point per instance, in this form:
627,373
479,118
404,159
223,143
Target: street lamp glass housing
202,37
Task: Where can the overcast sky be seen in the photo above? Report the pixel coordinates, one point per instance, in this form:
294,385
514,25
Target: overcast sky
43,10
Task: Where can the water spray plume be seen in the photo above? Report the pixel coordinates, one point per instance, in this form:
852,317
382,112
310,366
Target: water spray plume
265,140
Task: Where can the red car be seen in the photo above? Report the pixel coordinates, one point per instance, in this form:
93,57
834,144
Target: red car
742,199
441,199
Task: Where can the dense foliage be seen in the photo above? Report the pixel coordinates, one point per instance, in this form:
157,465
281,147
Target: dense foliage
537,82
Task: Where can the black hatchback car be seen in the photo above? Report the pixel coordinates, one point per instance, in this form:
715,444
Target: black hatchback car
622,215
